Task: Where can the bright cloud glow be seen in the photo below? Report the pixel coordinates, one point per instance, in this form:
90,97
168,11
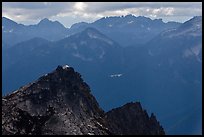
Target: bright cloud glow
80,6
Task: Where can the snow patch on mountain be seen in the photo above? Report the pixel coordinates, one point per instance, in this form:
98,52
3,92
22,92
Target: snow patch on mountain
95,36
65,67
193,51
116,75
130,22
110,25
82,57
193,31
167,31
8,31
102,54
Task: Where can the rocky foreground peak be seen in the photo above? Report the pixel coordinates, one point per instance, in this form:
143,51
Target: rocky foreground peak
61,103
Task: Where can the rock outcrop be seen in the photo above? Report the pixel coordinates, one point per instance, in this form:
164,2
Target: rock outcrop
60,103
131,119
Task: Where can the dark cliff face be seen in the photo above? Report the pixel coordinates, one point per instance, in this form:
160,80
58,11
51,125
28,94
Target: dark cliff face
131,119
61,103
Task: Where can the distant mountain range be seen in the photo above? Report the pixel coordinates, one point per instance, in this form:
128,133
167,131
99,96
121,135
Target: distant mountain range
162,69
14,33
126,30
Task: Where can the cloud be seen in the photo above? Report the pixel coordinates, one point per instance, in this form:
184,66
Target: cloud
69,12
32,11
80,6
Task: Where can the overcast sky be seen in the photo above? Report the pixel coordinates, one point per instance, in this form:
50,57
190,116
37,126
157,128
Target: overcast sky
69,13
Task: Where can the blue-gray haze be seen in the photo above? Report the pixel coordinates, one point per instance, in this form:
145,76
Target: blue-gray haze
122,59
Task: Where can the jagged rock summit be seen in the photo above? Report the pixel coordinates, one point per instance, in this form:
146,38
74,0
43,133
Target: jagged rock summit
61,103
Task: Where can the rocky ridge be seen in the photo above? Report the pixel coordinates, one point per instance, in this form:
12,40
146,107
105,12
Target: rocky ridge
61,103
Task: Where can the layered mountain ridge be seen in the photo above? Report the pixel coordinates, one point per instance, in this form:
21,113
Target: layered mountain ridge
61,103
117,28
164,72
14,33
